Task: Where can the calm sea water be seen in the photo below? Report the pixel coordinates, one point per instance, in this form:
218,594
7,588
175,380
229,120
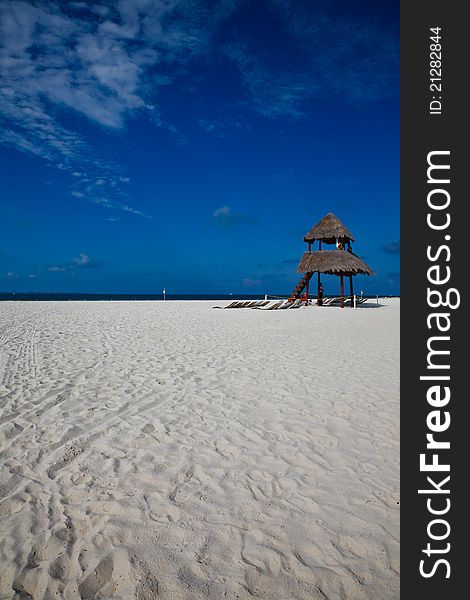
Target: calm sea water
66,296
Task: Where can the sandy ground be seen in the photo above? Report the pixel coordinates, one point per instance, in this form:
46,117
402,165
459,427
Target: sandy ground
169,450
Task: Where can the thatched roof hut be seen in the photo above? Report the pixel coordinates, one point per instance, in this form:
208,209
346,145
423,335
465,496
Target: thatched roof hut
333,263
341,262
328,230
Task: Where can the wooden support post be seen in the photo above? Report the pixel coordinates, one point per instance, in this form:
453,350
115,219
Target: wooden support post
319,298
341,289
351,290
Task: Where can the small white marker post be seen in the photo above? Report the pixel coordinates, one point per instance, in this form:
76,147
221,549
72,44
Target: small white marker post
354,300
377,298
361,294
164,294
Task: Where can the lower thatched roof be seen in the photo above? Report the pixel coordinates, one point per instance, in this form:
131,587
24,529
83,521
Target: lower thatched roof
335,262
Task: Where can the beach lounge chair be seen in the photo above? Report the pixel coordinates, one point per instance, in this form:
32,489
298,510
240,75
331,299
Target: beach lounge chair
330,301
294,304
274,306
261,303
299,303
231,305
239,304
264,305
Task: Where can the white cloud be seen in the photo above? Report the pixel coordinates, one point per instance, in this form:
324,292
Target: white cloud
82,260
222,127
106,62
95,62
249,282
225,218
223,211
273,92
352,58
97,67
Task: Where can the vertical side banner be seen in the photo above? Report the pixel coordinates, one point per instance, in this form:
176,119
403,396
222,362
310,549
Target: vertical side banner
434,359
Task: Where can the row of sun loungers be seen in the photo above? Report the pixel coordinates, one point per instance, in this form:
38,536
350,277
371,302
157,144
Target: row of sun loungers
337,300
330,301
266,304
247,303
286,304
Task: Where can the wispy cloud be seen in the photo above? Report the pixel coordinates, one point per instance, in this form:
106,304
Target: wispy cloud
106,193
82,261
222,127
283,175
273,93
270,280
249,282
392,247
225,218
85,262
95,61
278,276
331,57
106,63
392,278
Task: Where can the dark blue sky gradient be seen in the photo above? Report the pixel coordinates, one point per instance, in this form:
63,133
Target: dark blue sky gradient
192,149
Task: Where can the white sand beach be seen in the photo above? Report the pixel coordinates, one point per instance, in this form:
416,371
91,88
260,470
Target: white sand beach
168,450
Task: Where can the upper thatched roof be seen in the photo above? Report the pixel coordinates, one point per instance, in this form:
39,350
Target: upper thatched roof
335,262
327,230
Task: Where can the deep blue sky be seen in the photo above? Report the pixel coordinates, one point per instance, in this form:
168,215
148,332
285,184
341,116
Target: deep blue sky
191,144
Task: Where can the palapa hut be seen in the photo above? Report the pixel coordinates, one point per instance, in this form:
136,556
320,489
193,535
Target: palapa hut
342,261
